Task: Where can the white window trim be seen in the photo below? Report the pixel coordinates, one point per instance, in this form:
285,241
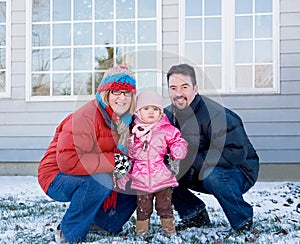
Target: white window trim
228,51
7,93
29,97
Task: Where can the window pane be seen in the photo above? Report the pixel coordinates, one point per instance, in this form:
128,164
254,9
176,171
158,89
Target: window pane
104,57
147,31
263,6
61,10
125,9
3,12
104,33
147,79
83,34
104,9
263,52
82,82
2,58
212,53
40,10
125,32
150,61
61,84
82,58
193,29
263,26
61,59
243,76
193,52
193,8
126,55
82,9
213,29
212,7
40,84
2,35
244,6
146,8
243,27
61,34
213,78
263,76
40,35
243,52
40,60
2,81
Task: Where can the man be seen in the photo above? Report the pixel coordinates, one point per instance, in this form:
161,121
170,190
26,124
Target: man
221,160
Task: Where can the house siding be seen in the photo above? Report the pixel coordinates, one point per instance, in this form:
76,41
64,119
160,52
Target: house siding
271,120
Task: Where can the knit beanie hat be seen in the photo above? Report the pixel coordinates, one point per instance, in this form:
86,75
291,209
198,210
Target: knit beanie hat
118,78
147,98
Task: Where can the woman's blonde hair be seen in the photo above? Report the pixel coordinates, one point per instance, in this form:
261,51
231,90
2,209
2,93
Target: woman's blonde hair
105,94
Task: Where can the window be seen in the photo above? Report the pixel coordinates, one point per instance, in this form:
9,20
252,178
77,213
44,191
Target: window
4,49
233,44
74,42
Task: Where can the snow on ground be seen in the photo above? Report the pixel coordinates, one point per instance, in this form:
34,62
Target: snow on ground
29,216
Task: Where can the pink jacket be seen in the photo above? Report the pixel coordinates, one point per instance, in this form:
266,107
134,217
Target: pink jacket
149,173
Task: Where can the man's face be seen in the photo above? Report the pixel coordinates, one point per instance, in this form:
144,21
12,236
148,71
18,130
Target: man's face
181,90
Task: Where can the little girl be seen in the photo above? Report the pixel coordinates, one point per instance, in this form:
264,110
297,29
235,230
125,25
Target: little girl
152,135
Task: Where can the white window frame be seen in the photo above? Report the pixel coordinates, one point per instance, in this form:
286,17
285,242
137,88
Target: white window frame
29,97
7,92
228,65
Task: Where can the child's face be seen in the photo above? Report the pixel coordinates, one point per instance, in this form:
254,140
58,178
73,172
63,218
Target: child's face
150,114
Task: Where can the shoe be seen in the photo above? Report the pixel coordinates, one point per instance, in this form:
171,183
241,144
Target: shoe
59,236
248,227
198,221
96,229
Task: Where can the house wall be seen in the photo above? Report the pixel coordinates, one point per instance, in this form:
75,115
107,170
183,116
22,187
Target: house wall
271,120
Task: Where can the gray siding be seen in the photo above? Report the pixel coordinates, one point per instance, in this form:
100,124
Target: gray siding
272,120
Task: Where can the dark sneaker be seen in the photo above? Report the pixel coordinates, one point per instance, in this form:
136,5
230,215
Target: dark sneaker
248,227
198,221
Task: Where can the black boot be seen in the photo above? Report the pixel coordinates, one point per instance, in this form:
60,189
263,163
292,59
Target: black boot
198,221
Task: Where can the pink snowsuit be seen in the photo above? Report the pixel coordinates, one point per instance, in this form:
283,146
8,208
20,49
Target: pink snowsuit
149,173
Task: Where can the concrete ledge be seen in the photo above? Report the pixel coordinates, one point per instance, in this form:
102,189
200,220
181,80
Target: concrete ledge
23,168
268,172
279,172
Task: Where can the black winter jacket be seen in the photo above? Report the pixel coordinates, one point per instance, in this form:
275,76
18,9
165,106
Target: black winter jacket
216,137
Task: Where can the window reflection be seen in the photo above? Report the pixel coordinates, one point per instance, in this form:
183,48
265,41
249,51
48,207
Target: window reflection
193,7
40,35
212,7
61,84
61,34
125,9
61,10
83,34
80,39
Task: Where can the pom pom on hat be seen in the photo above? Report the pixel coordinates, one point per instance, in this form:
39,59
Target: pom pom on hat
147,98
118,78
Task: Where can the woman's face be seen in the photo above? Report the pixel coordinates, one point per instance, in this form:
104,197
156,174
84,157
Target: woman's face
120,101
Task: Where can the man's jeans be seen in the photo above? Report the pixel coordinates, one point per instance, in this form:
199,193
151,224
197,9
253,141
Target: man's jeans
86,195
227,186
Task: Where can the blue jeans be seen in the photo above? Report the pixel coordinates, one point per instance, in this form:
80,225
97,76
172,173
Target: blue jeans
227,186
86,195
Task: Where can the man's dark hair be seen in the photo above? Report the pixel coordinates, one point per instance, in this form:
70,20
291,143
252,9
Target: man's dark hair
184,69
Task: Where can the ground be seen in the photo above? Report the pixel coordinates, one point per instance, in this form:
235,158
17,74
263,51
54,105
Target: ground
29,216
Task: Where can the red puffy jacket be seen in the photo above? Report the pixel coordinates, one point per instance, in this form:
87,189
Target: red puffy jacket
82,145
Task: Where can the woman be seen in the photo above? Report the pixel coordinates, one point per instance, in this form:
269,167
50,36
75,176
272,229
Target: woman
78,164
